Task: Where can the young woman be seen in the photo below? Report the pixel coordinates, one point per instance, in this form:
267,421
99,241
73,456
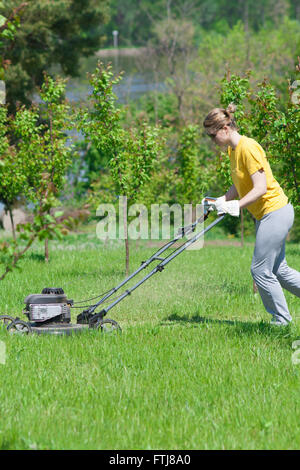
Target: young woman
255,187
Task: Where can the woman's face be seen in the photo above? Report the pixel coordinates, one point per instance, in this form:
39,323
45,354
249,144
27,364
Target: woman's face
221,138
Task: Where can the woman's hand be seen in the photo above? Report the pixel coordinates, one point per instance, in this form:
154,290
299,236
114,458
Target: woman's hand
222,206
227,207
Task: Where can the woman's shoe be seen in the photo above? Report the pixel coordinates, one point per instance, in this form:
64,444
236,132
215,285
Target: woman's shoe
277,322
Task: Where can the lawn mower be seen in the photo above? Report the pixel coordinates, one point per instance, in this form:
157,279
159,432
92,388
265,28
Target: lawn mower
50,311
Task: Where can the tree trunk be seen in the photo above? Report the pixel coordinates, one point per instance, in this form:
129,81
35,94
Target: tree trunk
194,213
246,15
138,242
47,250
246,26
127,256
12,222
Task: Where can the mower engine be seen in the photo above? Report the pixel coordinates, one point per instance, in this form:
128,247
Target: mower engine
51,305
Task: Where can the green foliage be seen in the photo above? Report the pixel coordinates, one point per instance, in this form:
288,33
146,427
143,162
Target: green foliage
236,89
34,166
269,52
190,170
4,143
52,33
12,176
275,126
262,117
192,77
135,24
42,146
8,29
132,151
156,108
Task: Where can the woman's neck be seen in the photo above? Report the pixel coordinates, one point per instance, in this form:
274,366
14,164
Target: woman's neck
234,139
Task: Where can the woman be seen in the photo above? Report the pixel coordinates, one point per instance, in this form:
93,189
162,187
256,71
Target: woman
257,189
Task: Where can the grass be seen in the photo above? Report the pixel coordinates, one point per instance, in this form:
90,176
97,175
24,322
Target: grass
196,367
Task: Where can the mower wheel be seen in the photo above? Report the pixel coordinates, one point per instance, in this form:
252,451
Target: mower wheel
106,325
19,327
5,320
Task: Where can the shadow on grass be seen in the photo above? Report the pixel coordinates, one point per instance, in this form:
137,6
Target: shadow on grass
35,257
8,444
231,288
236,326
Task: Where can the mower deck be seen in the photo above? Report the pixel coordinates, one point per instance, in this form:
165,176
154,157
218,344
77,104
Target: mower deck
58,329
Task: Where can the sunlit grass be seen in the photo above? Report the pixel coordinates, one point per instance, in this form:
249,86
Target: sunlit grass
196,367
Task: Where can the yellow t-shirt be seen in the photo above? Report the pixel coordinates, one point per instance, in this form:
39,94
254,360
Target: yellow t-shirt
247,158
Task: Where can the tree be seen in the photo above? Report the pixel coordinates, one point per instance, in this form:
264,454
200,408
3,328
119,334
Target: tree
37,159
173,49
132,150
135,20
8,28
42,148
52,33
270,53
275,126
190,190
11,176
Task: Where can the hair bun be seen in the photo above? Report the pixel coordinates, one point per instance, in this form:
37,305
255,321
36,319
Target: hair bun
231,108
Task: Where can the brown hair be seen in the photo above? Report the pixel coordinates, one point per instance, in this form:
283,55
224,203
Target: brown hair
218,118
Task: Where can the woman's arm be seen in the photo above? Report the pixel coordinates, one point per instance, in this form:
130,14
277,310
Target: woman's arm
227,203
231,193
259,189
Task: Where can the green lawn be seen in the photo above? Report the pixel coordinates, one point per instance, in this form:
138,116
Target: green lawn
196,367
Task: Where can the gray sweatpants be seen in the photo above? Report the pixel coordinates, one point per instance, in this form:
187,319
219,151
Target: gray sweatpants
269,267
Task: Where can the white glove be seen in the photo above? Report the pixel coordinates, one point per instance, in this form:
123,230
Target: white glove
227,207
